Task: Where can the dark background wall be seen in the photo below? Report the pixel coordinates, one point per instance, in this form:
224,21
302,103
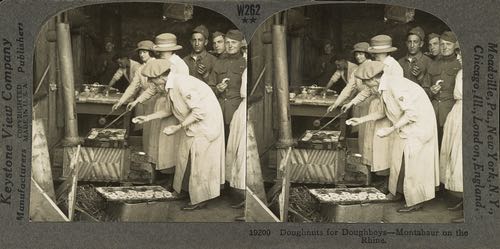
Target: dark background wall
128,23
347,24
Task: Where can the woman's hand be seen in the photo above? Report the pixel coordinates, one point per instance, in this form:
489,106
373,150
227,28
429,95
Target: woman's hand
169,130
346,107
384,132
354,121
331,108
116,106
140,119
131,105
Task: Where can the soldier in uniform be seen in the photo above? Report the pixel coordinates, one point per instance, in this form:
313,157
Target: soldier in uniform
225,79
415,64
441,79
199,61
218,43
434,51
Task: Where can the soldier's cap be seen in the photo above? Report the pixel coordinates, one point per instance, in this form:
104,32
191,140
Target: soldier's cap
235,35
432,36
145,45
202,30
369,69
217,34
155,68
418,31
448,36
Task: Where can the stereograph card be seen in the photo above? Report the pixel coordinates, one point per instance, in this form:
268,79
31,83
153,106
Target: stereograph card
249,124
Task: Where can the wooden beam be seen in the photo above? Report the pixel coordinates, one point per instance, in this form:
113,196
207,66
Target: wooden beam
256,210
74,184
285,187
42,208
40,160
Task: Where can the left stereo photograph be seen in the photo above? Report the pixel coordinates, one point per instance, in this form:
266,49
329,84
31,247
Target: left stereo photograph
132,111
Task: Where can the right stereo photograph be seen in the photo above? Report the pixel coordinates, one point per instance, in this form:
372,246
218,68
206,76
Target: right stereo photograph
354,116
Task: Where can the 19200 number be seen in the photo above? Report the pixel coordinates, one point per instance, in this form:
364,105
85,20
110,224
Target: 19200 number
260,232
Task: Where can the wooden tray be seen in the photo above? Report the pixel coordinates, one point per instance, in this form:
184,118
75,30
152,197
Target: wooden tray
135,193
341,195
329,142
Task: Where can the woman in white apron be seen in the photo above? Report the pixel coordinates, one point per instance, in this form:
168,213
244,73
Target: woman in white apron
201,158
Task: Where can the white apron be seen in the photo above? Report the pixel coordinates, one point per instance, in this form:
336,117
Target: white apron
202,141
450,160
376,150
236,149
417,140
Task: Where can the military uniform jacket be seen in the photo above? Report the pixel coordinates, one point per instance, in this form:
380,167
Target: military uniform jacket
203,58
446,69
232,67
420,60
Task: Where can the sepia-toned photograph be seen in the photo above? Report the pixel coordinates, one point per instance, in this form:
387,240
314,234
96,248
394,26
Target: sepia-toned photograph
139,115
354,116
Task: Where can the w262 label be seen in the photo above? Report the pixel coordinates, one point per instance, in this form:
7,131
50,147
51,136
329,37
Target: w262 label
248,12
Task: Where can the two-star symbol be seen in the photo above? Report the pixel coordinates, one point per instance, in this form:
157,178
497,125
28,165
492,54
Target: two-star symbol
251,20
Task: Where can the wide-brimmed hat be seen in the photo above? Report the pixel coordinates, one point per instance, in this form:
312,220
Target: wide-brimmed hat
145,45
369,69
361,47
381,44
166,42
155,68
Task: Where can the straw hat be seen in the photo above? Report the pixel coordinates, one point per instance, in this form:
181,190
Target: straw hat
361,47
145,45
166,42
381,44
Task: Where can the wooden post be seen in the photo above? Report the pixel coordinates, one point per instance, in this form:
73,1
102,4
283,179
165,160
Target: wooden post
254,178
52,77
68,81
269,101
285,187
40,160
281,81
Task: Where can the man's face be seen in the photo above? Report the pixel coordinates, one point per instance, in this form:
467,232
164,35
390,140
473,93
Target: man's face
219,46
447,48
122,62
109,46
434,46
232,46
360,57
414,44
198,42
328,48
380,56
144,55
